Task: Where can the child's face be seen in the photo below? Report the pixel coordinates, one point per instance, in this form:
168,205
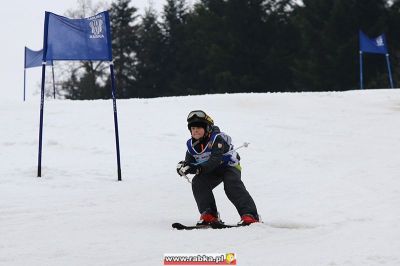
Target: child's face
197,132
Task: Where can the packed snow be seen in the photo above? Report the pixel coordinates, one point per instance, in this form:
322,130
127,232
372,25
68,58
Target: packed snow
323,169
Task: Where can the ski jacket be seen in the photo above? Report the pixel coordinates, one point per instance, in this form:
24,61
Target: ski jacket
213,152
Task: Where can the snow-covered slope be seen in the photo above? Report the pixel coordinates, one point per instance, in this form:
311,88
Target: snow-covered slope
323,169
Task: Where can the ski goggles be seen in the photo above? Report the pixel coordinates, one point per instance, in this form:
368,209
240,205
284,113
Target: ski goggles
199,114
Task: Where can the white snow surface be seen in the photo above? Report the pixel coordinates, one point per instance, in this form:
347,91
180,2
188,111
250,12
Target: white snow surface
323,169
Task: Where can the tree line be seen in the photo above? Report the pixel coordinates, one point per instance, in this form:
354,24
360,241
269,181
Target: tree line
229,46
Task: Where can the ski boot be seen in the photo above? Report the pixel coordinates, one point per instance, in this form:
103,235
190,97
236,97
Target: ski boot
208,218
247,219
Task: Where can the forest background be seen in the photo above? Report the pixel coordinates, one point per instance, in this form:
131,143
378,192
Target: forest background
231,46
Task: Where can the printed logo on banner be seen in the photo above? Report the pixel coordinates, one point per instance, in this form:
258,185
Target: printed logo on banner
96,24
379,41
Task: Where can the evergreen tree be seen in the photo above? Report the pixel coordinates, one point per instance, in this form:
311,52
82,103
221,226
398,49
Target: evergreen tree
124,44
246,43
70,86
192,57
174,22
87,86
150,77
205,45
281,41
393,32
235,46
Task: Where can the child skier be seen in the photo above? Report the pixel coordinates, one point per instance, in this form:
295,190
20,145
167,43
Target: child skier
210,156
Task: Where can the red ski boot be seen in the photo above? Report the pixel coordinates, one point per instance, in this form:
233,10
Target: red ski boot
248,219
209,218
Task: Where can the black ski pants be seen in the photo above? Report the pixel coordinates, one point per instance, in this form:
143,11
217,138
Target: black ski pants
203,184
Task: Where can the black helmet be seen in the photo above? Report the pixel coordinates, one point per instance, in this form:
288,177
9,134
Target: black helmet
199,118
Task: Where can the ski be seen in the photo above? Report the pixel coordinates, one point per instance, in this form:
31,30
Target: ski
180,226
223,226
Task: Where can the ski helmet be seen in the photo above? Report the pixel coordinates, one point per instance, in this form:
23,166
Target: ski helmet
199,118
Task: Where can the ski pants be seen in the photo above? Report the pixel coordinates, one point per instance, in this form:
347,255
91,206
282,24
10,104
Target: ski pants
203,184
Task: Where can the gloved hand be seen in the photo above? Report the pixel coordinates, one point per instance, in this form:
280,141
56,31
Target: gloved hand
184,168
181,167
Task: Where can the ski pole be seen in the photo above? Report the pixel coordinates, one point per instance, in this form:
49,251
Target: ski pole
245,144
187,178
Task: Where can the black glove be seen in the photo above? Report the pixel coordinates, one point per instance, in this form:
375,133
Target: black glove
184,168
193,169
180,168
